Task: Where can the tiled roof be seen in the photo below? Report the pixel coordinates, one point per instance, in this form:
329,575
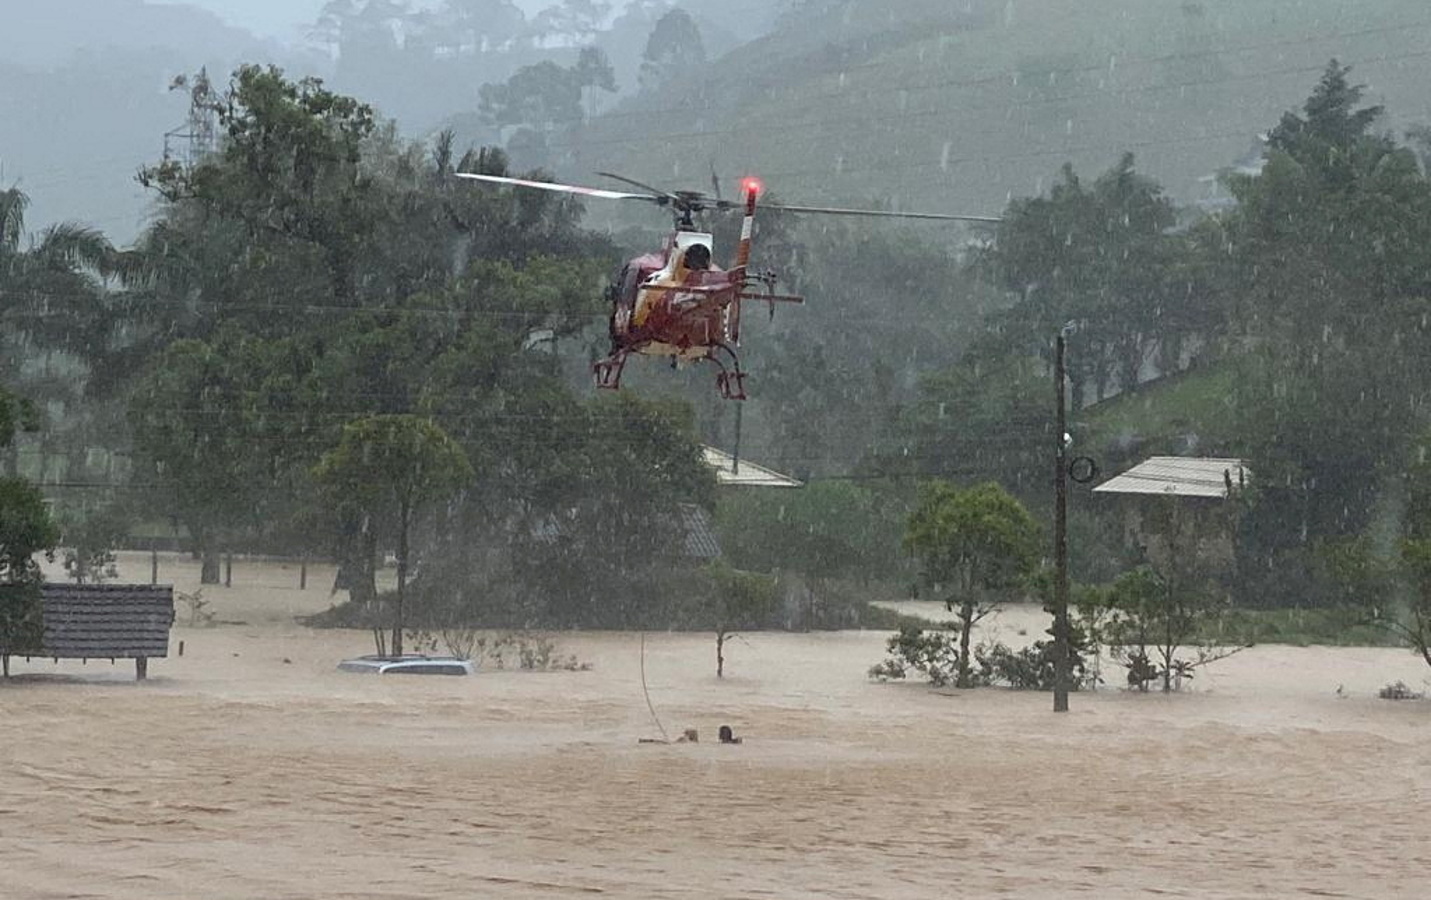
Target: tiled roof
106,621
701,540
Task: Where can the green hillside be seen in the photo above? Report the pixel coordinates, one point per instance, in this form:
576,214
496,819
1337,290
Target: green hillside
959,106
1174,415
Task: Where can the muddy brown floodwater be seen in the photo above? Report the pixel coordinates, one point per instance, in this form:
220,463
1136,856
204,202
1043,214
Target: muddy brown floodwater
251,769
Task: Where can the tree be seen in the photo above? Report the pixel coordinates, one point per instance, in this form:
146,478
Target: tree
741,600
674,45
90,542
25,529
1166,604
389,468
571,18
1107,257
543,95
290,168
1325,251
1410,620
194,421
975,547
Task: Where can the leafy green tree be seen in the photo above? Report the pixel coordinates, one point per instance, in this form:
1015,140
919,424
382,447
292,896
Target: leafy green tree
1325,246
543,95
1407,614
740,601
602,520
975,546
194,421
390,468
1172,601
16,414
290,169
25,529
827,529
1415,627
675,45
1106,257
90,543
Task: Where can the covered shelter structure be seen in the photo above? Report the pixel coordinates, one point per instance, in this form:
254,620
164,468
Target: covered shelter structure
107,621
1174,508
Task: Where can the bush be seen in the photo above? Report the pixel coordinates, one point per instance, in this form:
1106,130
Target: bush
933,654
1031,669
1398,691
524,650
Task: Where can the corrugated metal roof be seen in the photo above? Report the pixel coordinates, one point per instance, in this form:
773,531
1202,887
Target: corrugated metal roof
746,473
106,621
1179,476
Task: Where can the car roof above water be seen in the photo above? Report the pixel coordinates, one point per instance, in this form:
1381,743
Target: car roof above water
408,664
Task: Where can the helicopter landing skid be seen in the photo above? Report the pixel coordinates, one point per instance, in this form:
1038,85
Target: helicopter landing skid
607,372
731,380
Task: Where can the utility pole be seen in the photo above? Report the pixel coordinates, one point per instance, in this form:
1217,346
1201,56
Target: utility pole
1060,535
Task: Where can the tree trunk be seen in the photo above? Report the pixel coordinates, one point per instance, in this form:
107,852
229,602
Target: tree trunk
966,625
209,572
720,652
404,515
358,572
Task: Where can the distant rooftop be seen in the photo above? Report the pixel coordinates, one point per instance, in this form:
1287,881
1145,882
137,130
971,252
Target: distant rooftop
1179,476
745,473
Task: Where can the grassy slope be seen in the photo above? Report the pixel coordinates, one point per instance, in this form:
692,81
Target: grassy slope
958,106
1162,415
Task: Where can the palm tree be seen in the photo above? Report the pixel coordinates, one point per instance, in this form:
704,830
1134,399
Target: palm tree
52,305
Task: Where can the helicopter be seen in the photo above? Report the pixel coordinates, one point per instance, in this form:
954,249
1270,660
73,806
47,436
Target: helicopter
675,302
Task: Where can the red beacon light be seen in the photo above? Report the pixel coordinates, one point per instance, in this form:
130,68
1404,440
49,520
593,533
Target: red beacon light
752,185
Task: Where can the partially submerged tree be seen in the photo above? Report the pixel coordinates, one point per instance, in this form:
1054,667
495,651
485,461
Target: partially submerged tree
742,600
975,546
90,541
25,529
389,469
1169,604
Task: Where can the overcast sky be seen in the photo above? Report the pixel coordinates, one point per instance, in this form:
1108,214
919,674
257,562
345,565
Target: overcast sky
287,19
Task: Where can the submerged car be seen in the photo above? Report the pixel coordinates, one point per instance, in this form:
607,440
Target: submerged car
408,664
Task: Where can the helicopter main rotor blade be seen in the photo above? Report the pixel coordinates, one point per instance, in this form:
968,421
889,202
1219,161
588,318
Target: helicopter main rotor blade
561,188
833,211
666,195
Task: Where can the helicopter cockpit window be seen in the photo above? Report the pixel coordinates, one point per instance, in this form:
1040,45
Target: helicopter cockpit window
698,256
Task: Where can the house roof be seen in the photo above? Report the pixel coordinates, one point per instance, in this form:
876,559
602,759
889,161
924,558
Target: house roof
700,537
744,473
1179,476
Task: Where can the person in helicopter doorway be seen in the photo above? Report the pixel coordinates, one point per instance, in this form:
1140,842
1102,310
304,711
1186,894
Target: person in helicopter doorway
698,258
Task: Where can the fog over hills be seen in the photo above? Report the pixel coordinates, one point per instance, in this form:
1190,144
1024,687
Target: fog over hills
955,107
958,107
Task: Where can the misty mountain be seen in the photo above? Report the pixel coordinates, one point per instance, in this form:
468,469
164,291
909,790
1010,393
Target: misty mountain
50,33
961,106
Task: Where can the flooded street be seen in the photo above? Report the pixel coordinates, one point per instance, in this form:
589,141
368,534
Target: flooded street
251,768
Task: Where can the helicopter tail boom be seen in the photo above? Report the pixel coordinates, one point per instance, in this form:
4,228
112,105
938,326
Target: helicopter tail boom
747,227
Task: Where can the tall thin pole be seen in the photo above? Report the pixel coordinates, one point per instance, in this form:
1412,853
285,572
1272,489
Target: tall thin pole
1060,539
735,457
